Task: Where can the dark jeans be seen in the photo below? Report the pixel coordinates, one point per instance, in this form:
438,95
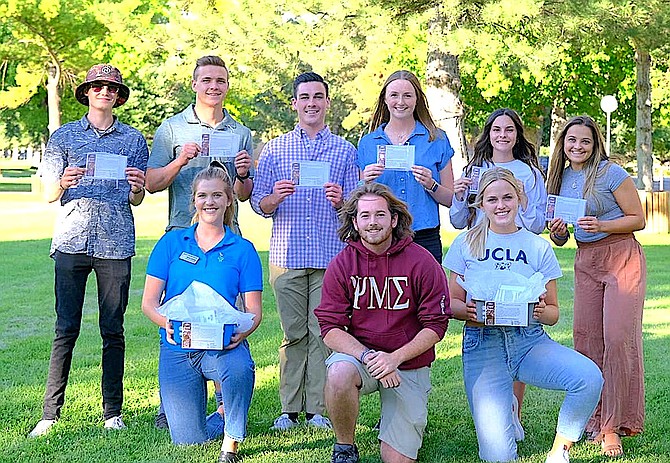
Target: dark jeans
429,239
113,279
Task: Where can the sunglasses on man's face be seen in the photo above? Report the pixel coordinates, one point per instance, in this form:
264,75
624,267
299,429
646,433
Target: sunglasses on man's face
113,89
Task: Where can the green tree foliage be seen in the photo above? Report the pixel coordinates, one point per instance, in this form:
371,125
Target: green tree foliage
535,56
46,43
531,55
266,44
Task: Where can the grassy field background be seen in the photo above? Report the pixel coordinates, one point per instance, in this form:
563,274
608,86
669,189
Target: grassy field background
27,317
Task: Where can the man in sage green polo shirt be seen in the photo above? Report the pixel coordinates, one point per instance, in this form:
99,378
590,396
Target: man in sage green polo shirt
177,153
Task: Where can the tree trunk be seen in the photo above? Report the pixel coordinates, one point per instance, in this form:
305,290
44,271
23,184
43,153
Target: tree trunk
53,96
643,142
443,86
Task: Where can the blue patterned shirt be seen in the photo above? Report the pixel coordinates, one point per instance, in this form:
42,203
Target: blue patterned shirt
95,218
304,226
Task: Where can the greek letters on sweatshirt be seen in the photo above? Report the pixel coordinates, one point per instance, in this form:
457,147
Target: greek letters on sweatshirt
385,300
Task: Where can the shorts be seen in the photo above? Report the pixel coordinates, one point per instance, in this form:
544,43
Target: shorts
404,413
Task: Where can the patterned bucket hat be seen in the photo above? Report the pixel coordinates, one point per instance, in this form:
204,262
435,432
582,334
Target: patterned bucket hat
102,73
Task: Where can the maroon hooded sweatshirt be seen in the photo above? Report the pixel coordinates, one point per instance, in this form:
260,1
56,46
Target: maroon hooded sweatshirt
385,300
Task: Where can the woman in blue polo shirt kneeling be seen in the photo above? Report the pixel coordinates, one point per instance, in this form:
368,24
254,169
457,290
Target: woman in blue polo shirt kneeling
210,253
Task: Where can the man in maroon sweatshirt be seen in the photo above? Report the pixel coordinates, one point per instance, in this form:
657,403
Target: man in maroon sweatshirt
384,305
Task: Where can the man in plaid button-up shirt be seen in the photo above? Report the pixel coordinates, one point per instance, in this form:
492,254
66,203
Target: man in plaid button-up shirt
304,240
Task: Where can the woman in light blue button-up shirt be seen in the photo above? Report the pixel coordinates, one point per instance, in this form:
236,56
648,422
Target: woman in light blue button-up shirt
420,173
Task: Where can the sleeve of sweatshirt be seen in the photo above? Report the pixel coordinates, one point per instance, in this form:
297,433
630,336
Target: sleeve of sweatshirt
434,307
335,307
458,213
533,217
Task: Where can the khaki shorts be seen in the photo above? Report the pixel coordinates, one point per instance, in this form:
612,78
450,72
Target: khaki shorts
404,408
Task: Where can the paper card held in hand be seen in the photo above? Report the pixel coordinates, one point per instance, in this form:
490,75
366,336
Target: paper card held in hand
310,174
206,336
396,157
106,166
493,313
568,209
475,173
220,144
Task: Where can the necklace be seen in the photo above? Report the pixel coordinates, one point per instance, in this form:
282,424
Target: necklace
100,131
208,243
400,137
575,176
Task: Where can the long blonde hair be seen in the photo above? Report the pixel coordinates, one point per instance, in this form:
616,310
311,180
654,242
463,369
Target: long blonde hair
476,237
421,112
559,162
215,171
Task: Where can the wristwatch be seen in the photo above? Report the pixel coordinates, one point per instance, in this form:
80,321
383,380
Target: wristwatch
242,178
433,188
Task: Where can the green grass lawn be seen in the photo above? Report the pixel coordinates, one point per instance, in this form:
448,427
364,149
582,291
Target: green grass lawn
27,317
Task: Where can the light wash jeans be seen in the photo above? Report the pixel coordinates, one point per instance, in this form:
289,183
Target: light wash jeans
182,377
494,357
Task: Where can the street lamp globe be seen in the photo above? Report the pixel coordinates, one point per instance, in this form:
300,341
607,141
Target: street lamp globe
609,104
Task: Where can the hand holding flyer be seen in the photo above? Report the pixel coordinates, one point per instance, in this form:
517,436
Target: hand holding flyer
474,177
106,166
562,207
310,174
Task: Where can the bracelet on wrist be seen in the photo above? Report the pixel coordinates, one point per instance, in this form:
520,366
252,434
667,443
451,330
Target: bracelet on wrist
562,237
242,178
60,185
364,354
138,191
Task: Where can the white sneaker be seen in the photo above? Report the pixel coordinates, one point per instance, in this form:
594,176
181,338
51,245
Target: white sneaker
319,421
519,433
42,427
559,457
283,422
115,423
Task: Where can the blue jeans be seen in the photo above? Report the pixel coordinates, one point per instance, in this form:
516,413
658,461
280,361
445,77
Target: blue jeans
430,240
182,378
494,357
113,279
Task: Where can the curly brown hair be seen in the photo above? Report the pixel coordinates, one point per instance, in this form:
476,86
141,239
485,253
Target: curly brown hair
347,214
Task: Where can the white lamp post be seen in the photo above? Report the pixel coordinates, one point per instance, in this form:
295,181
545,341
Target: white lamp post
609,104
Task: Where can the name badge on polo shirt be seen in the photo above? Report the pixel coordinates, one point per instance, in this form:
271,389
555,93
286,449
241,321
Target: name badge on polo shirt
190,258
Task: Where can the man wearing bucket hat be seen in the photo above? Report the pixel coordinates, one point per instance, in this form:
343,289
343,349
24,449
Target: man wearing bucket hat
95,166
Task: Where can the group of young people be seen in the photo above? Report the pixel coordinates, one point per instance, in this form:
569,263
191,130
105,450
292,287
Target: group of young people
354,266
